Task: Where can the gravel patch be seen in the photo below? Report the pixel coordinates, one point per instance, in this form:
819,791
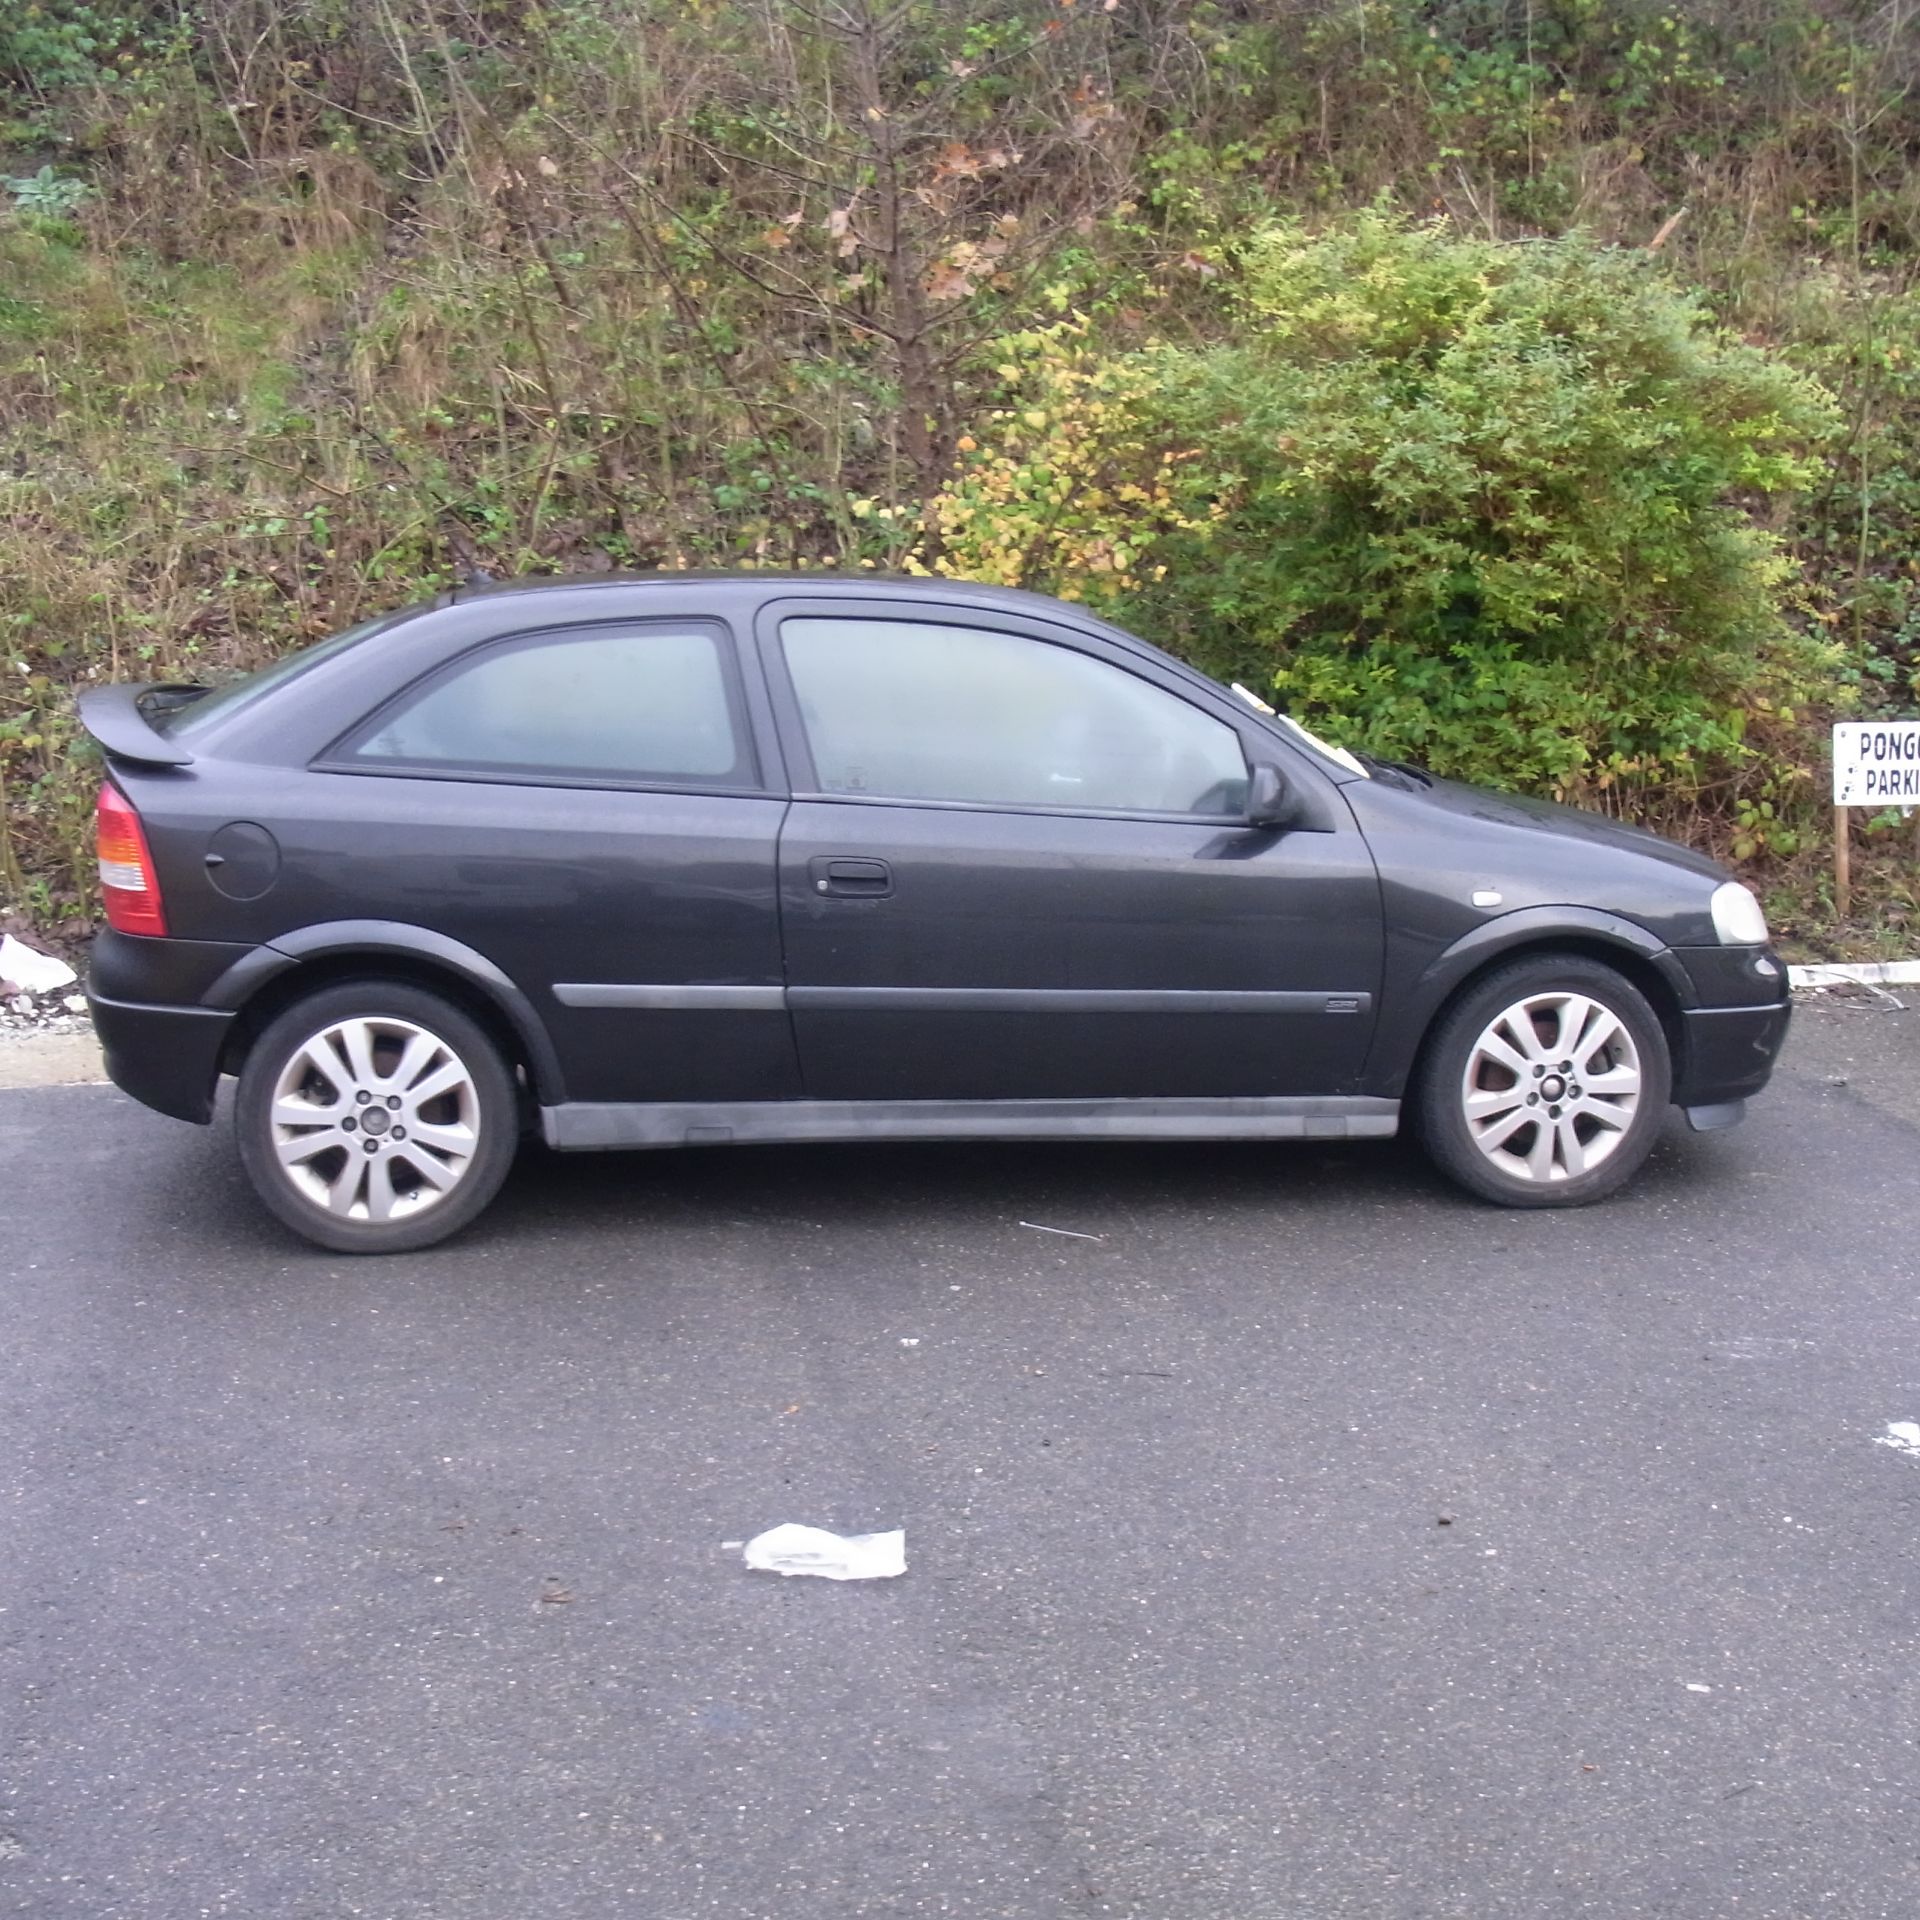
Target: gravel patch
63,1012
46,1038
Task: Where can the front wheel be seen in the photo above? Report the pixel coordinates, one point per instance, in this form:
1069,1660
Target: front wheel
1546,1084
375,1117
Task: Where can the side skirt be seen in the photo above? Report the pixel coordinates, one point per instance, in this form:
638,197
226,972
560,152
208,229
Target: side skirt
591,1126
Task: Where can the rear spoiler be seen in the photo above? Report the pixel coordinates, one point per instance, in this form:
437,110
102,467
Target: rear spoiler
114,717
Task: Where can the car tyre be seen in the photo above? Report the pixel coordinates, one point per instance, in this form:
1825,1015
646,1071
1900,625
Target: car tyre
376,1117
1545,1084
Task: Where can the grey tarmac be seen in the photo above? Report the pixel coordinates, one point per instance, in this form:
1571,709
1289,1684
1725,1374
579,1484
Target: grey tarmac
1309,1541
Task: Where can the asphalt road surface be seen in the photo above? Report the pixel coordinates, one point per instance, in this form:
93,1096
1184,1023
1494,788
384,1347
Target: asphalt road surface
1308,1542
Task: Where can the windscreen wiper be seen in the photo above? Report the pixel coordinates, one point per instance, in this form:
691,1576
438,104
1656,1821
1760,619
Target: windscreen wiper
1397,772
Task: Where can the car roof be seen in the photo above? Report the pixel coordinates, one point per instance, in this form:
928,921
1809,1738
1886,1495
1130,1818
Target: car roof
825,580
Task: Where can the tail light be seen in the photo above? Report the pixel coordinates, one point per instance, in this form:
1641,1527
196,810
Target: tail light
128,883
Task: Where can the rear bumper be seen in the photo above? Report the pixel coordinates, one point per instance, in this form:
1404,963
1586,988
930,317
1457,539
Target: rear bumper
161,1044
168,1058
1729,1053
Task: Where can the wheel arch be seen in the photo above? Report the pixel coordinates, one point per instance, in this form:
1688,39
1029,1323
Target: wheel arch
1628,948
270,979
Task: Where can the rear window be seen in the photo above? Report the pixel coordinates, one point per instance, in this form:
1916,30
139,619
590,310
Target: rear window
184,721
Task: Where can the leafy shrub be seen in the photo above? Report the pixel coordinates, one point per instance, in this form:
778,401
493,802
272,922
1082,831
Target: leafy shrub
1077,481
1485,505
47,194
49,44
1861,526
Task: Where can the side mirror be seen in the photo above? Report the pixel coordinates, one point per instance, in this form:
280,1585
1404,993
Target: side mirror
1270,802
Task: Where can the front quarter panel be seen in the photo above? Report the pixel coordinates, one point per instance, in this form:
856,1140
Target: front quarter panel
1596,890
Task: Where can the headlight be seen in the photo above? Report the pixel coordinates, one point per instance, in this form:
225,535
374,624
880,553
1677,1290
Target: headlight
1737,916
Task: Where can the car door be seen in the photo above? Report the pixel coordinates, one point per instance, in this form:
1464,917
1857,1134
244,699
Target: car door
1018,866
586,807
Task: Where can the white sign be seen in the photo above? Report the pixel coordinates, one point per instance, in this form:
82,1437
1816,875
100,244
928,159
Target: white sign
1876,763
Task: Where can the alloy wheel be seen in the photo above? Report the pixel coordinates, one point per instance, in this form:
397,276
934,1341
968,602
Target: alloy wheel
374,1119
1551,1086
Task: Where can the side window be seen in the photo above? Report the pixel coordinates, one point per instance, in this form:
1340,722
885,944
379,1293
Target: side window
638,703
911,710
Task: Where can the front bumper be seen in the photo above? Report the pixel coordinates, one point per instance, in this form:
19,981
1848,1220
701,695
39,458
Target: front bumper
1729,1053
1732,1034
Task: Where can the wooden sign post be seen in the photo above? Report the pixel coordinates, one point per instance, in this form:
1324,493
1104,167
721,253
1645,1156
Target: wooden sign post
1876,763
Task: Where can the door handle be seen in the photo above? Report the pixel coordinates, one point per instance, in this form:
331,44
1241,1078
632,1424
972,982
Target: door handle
851,879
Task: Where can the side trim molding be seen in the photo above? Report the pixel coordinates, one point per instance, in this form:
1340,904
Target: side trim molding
1065,1000
695,998
583,1126
682,999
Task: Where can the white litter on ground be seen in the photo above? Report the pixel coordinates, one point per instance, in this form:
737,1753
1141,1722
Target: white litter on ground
1066,1233
32,972
794,1549
1694,1686
1902,1435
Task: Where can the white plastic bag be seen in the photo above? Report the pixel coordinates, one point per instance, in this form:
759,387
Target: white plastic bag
794,1549
32,972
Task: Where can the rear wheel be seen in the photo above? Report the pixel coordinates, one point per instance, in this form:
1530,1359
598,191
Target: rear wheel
375,1118
1546,1085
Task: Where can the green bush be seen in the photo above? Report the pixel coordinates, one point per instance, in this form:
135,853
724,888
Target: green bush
49,44
1490,506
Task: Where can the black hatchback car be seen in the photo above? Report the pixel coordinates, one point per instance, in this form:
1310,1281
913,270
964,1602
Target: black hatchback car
709,858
